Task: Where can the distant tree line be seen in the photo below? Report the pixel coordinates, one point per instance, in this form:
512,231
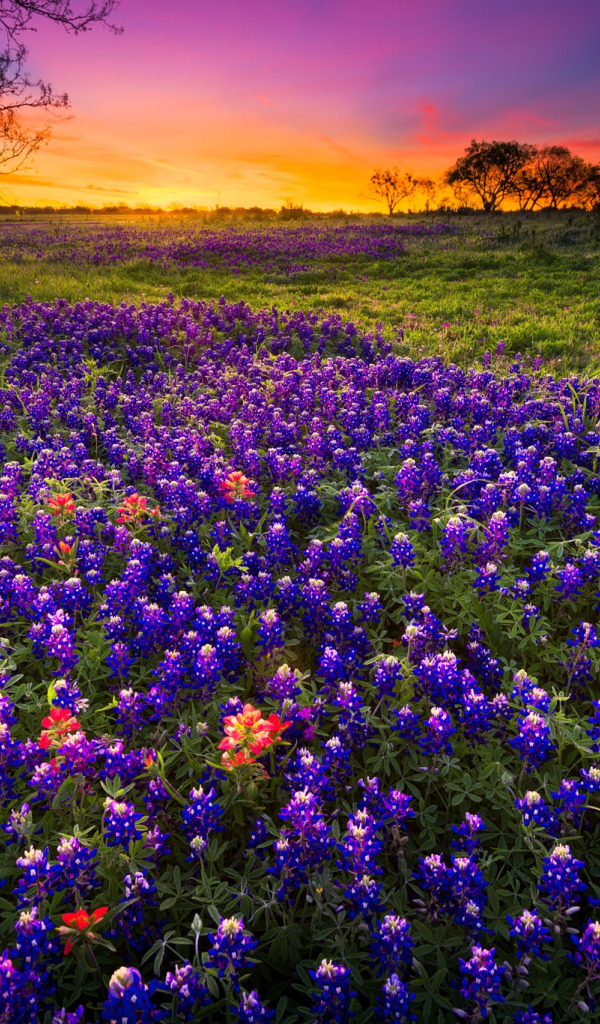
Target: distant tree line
491,174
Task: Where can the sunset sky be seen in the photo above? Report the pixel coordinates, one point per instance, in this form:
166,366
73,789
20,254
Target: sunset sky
235,102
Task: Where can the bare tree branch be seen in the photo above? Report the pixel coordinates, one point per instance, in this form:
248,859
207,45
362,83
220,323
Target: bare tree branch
18,91
391,187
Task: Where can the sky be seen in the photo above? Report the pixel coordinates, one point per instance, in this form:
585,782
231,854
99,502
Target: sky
256,102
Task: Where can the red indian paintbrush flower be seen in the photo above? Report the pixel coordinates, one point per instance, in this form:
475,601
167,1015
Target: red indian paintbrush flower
250,731
135,508
79,925
230,761
59,723
61,504
236,487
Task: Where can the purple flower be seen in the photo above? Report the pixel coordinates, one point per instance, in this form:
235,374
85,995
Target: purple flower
536,811
392,944
402,551
229,952
191,994
533,740
393,1006
560,882
121,821
251,1010
331,1002
129,999
482,978
437,730
530,934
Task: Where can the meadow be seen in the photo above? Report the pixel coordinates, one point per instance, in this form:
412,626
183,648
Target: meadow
299,582
529,281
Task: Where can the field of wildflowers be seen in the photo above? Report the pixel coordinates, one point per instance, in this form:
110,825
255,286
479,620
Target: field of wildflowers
299,704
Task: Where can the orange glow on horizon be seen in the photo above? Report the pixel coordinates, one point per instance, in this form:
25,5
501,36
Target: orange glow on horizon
252,105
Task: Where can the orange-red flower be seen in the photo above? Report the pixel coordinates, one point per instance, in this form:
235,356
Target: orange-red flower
79,925
61,504
250,731
236,487
134,508
60,722
230,761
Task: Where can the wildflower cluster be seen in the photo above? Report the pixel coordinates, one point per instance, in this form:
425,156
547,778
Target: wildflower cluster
298,708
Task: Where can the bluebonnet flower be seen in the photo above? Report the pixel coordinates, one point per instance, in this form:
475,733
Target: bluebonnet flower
392,944
19,825
120,659
570,583
488,578
370,608
584,635
475,712
536,811
306,772
455,540
284,684
393,1005
530,933
270,632
437,730
531,613
362,895
331,665
482,978
206,670
250,1009
439,677
129,712
68,695
587,953
304,844
331,1002
230,949
533,741
121,821
136,919
468,830
192,995
39,876
560,882
64,1016
77,865
407,723
361,845
457,891
402,551
130,1000
278,542
530,1016
387,675
202,816
419,514
35,939
591,778
573,801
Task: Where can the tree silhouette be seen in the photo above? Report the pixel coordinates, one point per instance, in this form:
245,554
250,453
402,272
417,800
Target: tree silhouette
488,170
18,91
391,187
589,192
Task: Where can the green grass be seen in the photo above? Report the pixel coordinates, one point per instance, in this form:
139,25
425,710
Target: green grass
531,282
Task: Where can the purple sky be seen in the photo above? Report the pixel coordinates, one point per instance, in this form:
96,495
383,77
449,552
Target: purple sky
253,102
